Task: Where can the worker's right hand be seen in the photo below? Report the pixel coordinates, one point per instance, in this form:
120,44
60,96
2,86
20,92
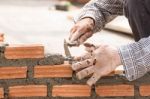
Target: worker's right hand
98,62
81,31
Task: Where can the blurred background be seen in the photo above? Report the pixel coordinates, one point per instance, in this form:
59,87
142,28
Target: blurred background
48,22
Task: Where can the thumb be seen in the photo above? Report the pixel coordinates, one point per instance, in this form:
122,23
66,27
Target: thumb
76,36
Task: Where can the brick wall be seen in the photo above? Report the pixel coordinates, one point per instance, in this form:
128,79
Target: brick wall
26,72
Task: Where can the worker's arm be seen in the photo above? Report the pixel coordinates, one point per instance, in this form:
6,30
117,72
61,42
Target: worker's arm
93,17
101,11
136,58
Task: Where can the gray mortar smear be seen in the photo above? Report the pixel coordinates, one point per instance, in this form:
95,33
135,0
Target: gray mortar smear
52,59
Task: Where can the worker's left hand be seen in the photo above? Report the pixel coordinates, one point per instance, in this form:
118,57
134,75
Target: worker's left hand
99,61
81,31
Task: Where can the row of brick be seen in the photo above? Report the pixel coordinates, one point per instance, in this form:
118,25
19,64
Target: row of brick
22,51
39,71
75,91
47,71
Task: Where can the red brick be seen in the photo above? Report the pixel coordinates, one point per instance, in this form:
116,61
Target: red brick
13,72
1,93
53,71
28,91
115,90
71,91
24,51
145,90
1,37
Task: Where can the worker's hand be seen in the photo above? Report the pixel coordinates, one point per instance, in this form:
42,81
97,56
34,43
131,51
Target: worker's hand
81,31
99,61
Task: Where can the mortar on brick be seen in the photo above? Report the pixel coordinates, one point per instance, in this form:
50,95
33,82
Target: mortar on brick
51,59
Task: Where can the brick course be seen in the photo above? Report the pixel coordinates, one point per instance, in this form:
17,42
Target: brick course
53,71
24,51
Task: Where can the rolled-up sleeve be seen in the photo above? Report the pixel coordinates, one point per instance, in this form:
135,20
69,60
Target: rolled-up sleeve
102,11
135,58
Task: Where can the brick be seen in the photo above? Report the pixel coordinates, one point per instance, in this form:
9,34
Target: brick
145,90
28,91
71,91
115,90
1,93
53,71
1,37
13,72
24,51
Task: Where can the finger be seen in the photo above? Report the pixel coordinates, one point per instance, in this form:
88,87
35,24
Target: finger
93,79
90,47
82,74
84,37
73,30
79,32
83,57
83,64
76,35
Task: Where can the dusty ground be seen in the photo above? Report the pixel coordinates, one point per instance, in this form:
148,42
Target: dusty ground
32,21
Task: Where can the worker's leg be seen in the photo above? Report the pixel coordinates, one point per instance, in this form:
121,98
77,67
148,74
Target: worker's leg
138,14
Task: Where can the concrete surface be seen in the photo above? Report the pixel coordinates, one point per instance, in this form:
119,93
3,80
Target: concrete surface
32,21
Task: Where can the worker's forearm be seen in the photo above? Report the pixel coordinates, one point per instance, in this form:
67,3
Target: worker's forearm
101,11
135,58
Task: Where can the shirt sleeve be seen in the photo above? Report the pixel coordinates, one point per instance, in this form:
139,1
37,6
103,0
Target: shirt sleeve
102,11
135,58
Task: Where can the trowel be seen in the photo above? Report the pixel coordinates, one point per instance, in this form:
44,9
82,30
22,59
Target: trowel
68,56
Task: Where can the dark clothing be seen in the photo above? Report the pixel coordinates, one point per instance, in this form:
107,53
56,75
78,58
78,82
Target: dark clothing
138,14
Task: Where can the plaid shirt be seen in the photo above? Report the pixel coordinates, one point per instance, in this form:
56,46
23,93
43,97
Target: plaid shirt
135,57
